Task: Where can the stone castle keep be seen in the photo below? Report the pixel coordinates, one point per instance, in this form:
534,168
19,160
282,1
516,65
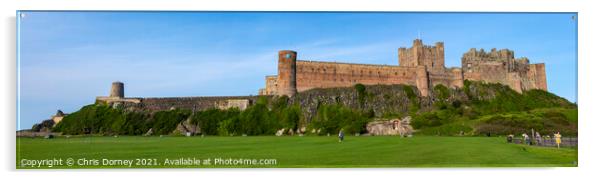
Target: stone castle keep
421,65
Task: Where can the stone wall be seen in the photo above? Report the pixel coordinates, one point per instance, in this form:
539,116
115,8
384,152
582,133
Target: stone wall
315,74
537,74
191,103
241,104
271,85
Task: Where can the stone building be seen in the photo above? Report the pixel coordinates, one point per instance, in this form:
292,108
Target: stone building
381,127
421,65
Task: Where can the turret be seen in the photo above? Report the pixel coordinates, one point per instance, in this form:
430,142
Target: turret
439,64
417,42
117,90
422,80
287,73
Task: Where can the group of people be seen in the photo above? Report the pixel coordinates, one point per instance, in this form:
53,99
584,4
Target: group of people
527,139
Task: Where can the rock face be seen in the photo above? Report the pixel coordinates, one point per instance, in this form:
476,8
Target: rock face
382,127
149,132
44,126
379,99
187,128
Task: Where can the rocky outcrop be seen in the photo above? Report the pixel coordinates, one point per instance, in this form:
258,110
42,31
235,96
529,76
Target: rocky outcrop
187,128
44,126
381,127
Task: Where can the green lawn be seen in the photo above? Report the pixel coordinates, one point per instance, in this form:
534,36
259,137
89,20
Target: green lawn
309,151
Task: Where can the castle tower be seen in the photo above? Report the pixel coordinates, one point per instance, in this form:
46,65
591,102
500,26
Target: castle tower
117,90
422,80
432,57
287,73
439,64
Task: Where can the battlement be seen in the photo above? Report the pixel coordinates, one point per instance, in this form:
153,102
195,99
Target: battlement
493,55
341,63
432,57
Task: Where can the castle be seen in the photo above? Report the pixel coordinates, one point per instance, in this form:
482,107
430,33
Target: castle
421,65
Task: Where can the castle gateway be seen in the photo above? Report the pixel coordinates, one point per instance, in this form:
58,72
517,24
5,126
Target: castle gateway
421,65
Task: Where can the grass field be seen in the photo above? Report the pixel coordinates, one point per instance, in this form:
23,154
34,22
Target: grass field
309,151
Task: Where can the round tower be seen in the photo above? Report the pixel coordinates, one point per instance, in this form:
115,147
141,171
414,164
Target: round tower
287,73
117,90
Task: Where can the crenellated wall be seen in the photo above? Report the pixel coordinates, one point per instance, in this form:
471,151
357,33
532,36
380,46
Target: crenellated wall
432,57
501,67
420,65
191,103
315,74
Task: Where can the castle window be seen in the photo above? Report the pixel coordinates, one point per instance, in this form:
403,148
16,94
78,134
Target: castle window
288,56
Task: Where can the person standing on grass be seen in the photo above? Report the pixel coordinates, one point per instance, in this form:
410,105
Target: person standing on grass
526,138
558,139
341,135
538,138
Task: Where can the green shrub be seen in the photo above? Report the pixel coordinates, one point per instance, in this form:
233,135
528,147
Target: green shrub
332,118
442,92
452,129
210,119
92,119
546,122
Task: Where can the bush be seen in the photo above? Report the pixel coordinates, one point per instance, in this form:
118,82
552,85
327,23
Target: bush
441,92
332,118
546,122
435,118
164,122
92,119
209,120
453,129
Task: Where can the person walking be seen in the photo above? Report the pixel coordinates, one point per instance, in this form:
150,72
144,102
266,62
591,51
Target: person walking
558,139
341,135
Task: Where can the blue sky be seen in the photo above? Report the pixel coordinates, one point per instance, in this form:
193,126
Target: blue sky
69,58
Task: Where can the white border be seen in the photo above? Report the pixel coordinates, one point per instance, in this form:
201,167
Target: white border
589,61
